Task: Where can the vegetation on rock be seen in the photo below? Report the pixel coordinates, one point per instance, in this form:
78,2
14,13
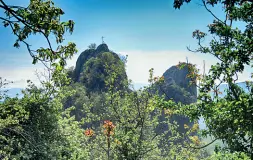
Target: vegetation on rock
90,113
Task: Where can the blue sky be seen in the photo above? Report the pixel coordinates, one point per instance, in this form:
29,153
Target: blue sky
151,32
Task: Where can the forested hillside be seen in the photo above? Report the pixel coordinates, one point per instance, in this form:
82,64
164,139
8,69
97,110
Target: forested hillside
91,111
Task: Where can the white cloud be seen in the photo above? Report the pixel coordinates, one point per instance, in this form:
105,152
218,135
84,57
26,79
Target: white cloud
138,65
139,62
20,75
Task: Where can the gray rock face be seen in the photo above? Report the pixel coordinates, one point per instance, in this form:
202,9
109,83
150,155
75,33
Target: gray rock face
84,56
177,87
179,77
91,72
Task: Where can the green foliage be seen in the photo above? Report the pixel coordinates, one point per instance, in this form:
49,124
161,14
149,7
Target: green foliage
92,46
104,119
40,17
179,3
37,127
135,116
228,118
229,156
32,127
81,100
70,72
102,69
85,56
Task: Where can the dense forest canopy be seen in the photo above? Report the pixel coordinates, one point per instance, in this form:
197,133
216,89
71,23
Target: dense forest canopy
91,111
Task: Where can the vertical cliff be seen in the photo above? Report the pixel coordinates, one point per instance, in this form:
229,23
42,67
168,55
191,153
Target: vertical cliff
177,87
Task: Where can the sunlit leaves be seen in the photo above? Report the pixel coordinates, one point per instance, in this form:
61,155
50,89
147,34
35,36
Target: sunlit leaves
228,118
195,140
40,17
35,121
193,72
136,115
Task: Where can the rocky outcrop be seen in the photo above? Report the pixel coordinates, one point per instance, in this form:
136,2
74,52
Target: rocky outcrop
177,85
91,71
85,56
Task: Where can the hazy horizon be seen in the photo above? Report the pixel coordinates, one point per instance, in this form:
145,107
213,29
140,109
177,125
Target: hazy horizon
153,35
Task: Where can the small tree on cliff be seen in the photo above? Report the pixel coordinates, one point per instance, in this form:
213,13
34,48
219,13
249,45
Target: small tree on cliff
92,46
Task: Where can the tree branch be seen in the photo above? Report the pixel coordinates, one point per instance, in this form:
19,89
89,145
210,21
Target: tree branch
202,146
12,12
204,3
